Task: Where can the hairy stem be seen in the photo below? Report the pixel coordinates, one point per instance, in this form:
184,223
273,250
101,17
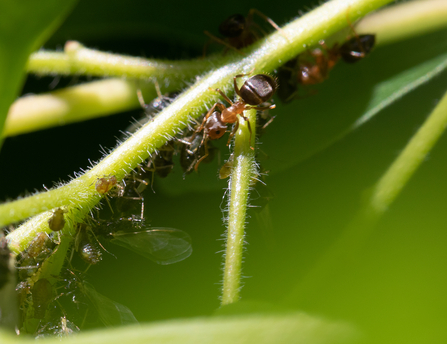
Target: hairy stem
264,56
243,172
74,104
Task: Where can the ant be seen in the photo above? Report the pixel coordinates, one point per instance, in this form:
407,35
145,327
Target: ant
313,67
238,31
256,90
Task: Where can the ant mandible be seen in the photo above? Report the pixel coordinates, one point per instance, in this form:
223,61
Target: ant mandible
256,90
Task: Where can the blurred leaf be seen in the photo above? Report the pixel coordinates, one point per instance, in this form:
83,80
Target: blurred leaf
393,89
24,26
280,328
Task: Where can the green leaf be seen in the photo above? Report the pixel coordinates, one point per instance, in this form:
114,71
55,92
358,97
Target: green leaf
259,328
24,27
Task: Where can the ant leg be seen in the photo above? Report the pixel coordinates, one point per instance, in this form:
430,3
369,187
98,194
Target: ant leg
218,40
263,16
267,19
236,126
196,166
224,96
260,108
236,88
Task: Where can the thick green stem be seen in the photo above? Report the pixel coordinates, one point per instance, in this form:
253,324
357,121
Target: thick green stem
266,55
74,104
244,170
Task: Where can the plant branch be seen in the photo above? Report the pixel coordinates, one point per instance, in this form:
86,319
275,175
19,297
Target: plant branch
243,172
264,56
412,18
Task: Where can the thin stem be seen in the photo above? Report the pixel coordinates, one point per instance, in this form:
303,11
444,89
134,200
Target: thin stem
348,246
74,104
400,172
405,20
266,55
78,59
244,170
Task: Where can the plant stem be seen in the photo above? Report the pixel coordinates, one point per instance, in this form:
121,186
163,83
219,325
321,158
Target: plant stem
264,56
73,104
244,170
344,252
405,20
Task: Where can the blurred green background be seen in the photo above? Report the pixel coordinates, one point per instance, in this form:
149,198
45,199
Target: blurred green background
394,289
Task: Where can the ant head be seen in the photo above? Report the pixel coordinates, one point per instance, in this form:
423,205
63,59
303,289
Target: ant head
214,126
258,89
233,26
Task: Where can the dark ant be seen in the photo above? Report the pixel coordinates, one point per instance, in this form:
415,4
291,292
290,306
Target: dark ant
238,31
313,67
256,90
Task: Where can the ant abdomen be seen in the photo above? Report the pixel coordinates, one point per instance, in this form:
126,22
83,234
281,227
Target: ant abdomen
357,48
258,89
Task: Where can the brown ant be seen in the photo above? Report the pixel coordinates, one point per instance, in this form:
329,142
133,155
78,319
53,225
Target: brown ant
313,66
238,31
256,90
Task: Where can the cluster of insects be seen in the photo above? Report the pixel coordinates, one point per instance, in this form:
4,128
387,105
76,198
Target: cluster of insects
46,302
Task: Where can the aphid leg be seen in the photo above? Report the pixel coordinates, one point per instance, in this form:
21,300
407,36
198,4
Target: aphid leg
249,128
268,123
221,41
108,202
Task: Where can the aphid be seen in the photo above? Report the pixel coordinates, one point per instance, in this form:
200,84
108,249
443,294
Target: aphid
57,221
161,245
40,248
105,184
87,249
227,168
239,31
313,66
42,294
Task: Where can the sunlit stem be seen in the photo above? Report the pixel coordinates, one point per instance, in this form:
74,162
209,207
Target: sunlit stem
244,170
